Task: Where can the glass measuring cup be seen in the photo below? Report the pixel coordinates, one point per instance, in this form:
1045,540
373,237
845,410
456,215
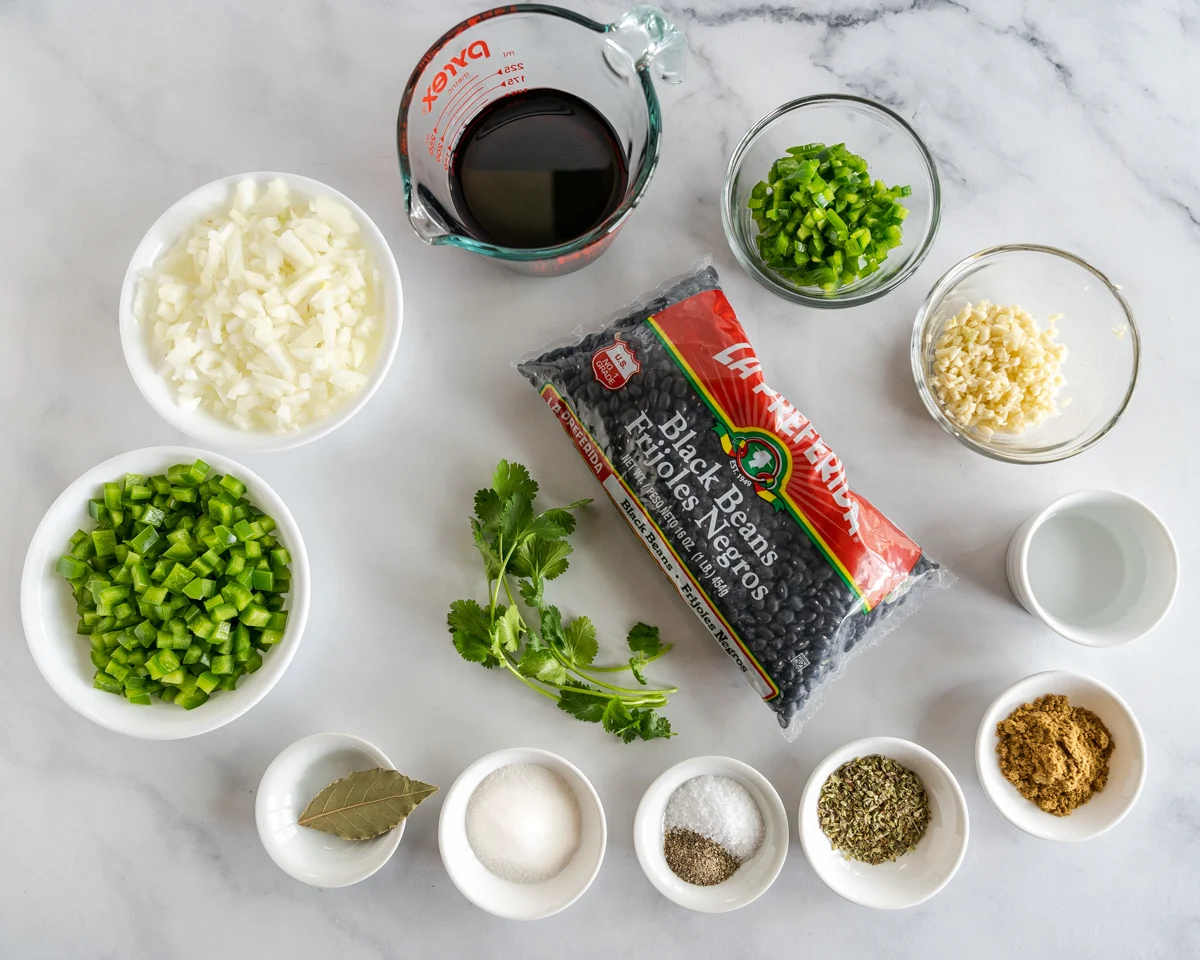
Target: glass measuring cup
522,47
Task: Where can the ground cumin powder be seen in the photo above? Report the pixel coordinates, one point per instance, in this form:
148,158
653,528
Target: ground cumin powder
1055,754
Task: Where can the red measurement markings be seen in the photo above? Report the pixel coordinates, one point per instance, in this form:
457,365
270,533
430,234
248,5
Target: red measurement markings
463,112
437,145
457,93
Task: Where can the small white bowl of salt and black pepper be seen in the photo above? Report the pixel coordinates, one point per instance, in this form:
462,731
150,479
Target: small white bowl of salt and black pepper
883,823
711,834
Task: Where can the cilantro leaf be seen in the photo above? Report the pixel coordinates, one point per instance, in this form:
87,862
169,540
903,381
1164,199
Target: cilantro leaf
562,516
468,623
491,560
551,625
541,558
514,519
508,629
487,506
532,591
551,558
618,719
651,726
635,667
581,646
513,478
545,526
643,639
542,665
581,706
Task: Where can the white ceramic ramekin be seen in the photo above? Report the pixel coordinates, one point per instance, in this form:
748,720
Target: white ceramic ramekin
1098,567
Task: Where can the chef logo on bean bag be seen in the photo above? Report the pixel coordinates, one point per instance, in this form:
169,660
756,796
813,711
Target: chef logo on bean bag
761,459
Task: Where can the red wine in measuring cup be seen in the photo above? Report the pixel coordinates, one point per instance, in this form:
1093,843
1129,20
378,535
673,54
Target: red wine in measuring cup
537,169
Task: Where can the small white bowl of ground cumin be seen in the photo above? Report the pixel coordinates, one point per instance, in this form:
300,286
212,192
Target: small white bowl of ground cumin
1061,756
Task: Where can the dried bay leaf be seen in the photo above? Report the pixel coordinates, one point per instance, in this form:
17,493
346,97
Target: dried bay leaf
365,804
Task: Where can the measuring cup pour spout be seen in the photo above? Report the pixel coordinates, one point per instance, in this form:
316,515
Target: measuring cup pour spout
541,51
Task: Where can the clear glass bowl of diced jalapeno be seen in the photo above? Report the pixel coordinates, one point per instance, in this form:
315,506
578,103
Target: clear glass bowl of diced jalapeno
831,201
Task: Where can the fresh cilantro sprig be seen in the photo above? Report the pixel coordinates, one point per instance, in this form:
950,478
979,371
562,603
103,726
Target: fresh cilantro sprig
552,657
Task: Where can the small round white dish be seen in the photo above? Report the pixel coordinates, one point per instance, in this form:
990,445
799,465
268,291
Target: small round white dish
1096,566
917,875
294,777
49,616
148,366
503,898
752,879
1126,766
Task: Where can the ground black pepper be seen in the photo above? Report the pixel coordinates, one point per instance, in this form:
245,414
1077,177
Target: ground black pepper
696,859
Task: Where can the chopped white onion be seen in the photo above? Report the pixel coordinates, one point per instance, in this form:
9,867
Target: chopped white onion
268,313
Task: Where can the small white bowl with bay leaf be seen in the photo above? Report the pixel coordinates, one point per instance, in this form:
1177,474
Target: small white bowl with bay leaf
261,311
331,809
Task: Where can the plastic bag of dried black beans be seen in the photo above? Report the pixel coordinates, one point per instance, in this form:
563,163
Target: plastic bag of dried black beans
732,490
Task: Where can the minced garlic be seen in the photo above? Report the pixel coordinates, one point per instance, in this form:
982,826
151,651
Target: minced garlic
996,371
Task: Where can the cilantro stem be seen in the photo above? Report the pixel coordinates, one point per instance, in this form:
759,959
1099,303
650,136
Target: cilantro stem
511,667
585,675
625,666
649,700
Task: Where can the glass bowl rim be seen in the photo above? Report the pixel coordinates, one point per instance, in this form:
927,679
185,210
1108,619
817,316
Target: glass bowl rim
937,293
836,300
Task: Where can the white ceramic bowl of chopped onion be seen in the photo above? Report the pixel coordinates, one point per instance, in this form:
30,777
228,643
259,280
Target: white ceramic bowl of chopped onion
261,311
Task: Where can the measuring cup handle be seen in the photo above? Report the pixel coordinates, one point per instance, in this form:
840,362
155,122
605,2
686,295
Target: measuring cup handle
648,38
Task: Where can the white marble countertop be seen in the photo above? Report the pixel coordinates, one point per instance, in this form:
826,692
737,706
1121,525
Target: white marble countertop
1071,124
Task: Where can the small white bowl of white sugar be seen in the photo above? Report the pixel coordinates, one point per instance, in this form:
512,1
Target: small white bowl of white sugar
261,311
522,833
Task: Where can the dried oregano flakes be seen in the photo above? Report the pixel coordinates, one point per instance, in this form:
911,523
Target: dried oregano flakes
873,809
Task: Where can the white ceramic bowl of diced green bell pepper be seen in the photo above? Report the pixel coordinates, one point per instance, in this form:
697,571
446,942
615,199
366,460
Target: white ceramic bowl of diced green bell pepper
117,673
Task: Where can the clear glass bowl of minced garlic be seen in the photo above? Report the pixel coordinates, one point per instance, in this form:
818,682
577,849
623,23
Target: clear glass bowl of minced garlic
1025,353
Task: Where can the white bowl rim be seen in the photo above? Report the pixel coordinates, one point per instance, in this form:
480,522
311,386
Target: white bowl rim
134,336
469,776
1082,635
775,820
332,739
985,750
32,578
866,746
935,296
